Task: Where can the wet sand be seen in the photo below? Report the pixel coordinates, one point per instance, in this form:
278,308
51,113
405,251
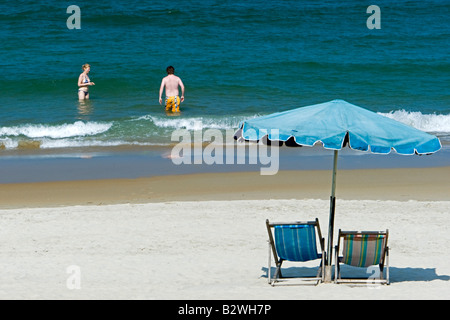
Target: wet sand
422,184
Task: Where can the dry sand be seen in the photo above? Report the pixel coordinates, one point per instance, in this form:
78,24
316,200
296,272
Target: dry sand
204,237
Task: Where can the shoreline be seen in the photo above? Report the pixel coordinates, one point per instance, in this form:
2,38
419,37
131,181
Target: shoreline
400,184
133,163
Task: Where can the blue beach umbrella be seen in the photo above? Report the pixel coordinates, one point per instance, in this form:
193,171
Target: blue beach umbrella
337,124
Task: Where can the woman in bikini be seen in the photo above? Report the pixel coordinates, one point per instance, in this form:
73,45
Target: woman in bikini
84,82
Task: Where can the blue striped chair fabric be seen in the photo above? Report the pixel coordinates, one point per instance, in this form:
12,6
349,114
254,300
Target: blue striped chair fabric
296,242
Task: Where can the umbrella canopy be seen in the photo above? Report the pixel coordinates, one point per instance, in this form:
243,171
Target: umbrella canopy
336,124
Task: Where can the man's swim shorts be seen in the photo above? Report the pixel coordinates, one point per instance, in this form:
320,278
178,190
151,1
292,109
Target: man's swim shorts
173,103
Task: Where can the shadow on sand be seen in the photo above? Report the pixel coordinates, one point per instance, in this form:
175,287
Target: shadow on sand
396,275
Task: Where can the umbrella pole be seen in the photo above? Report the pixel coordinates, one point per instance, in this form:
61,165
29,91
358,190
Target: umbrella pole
331,222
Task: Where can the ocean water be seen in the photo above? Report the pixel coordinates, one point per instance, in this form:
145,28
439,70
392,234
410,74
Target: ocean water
237,59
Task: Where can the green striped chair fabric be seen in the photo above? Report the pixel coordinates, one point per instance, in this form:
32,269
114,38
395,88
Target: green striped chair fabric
363,250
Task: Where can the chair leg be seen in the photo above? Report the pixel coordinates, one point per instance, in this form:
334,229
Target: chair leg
382,277
278,271
276,276
336,266
320,272
269,269
387,265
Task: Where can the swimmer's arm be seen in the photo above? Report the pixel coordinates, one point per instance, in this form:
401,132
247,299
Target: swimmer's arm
182,90
161,90
80,81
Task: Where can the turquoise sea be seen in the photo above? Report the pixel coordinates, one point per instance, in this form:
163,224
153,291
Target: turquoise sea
237,59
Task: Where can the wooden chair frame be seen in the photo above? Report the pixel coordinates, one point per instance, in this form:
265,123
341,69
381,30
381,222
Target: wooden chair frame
278,261
384,260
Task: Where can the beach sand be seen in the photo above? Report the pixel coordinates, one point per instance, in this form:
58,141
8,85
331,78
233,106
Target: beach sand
203,236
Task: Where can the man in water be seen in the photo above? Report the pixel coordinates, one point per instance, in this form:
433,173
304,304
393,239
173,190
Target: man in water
171,84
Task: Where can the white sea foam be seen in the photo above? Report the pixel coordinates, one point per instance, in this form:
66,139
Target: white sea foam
70,143
8,143
436,123
77,129
156,130
195,123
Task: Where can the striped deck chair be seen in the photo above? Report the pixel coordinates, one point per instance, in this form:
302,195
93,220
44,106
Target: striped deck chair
363,249
297,242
